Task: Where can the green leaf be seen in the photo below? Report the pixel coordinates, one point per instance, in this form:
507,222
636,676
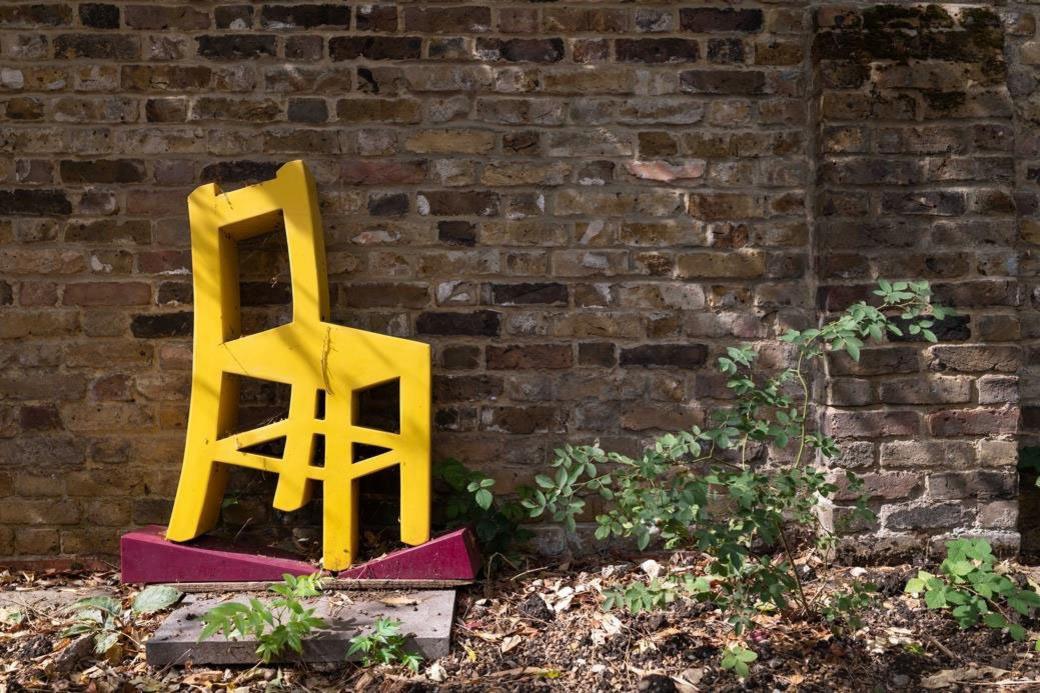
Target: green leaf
155,598
483,498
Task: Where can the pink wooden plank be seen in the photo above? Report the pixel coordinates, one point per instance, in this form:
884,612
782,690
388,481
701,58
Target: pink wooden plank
146,556
452,556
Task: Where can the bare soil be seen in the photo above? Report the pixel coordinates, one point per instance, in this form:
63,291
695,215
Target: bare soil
544,629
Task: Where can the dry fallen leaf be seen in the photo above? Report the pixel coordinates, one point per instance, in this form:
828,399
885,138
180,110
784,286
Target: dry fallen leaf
510,643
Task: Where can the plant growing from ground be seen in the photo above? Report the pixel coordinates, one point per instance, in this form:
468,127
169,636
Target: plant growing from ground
975,590
710,489
281,624
384,645
108,622
470,501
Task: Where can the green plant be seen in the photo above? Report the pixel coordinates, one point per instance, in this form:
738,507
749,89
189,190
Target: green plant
976,590
107,621
716,489
283,623
842,608
639,596
384,645
469,500
736,659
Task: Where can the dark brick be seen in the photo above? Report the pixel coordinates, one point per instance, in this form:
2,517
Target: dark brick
6,294
44,417
460,357
304,16
529,294
388,295
265,294
466,388
457,233
388,204
725,50
99,16
304,47
521,50
239,171
155,17
447,203
447,20
24,108
233,16
376,18
597,354
174,293
527,356
375,47
103,171
665,355
97,47
34,202
486,323
658,50
722,81
32,16
172,110
236,46
712,19
306,110
161,325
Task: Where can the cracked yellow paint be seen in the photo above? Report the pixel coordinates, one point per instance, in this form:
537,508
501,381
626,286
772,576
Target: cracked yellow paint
311,355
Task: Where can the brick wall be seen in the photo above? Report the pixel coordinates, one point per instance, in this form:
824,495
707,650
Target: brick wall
577,204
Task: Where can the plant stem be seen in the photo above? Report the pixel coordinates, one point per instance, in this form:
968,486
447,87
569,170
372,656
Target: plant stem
794,568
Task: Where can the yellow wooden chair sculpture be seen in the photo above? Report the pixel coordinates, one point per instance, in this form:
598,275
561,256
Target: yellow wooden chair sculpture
317,359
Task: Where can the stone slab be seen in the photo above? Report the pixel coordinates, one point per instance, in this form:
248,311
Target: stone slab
146,556
426,618
452,556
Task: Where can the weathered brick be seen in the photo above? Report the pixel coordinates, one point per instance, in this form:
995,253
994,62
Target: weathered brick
688,356
710,19
657,50
97,47
447,20
235,46
99,15
161,325
865,424
304,16
521,50
34,202
375,47
159,18
485,323
974,422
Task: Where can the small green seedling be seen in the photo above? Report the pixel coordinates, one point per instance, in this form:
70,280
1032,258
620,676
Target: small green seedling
736,658
384,645
283,623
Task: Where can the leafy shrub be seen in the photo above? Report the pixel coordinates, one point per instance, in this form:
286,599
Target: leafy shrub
470,501
105,619
975,590
706,488
281,624
384,645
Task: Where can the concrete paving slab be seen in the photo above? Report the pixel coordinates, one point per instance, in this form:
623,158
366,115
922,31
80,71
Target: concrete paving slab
425,616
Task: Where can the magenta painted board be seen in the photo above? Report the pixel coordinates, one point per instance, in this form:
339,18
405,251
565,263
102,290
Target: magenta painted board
452,556
146,556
